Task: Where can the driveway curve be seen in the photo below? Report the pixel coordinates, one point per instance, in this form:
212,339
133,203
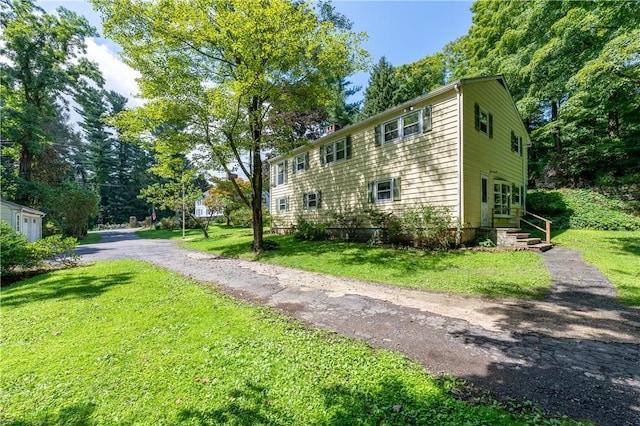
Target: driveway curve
576,353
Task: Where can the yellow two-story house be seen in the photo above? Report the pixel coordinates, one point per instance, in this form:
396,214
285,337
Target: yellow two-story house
462,147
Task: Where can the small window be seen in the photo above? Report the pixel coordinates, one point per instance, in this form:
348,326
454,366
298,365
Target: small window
18,222
517,194
483,121
311,200
336,151
281,171
282,204
516,143
384,190
301,163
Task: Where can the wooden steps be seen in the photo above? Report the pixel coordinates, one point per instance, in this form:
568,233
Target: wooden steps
523,240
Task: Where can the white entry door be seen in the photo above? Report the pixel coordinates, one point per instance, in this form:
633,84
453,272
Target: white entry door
485,216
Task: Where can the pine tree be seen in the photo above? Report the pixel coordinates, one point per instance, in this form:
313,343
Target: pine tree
381,94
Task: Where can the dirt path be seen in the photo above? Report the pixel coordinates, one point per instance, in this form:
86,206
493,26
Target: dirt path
576,353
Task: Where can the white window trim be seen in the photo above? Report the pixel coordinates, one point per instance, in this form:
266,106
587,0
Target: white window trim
503,184
376,191
281,204
284,173
334,151
517,195
297,162
518,145
306,200
400,127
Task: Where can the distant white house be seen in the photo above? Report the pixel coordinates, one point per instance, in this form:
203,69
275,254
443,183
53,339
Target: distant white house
201,209
23,219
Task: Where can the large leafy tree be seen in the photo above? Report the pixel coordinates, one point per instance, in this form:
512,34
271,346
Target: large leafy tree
418,78
44,62
573,68
216,70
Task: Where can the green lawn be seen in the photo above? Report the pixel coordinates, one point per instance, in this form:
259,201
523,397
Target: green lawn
484,273
615,253
127,343
90,238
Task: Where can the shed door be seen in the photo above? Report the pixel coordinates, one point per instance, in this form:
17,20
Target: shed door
35,230
485,217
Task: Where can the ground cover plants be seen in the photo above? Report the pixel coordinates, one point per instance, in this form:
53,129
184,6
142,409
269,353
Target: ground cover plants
125,342
491,274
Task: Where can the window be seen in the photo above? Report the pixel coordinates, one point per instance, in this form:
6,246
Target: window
18,222
282,204
311,200
501,194
402,127
517,194
281,173
483,121
301,163
516,143
336,151
384,190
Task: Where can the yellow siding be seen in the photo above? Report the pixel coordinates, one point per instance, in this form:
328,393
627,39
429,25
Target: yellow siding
426,164
492,157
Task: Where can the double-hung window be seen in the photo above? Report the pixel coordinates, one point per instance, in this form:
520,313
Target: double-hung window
516,143
311,200
413,123
483,121
281,173
384,190
336,151
282,204
517,194
301,163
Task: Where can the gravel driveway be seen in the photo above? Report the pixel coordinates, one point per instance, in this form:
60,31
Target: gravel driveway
576,353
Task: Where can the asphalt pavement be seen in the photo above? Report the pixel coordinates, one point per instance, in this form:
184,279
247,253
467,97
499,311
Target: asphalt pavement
576,353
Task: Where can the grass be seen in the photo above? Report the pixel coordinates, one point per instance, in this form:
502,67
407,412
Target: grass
90,238
615,253
127,343
482,273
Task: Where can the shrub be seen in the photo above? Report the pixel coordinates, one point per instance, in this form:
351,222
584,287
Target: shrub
309,231
241,217
168,223
17,252
428,227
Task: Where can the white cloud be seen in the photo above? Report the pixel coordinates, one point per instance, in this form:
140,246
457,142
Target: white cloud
118,76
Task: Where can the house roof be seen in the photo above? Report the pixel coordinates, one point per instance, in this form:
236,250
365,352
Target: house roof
15,206
399,108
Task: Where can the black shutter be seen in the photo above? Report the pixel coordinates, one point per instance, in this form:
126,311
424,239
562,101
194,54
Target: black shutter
490,125
513,141
286,204
426,119
322,154
348,146
378,135
318,198
370,190
306,160
396,189
476,108
305,199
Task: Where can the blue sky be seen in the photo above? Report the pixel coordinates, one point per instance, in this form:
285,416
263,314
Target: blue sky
403,31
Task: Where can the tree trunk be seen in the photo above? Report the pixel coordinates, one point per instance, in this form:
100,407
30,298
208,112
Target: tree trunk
26,160
614,124
256,174
556,131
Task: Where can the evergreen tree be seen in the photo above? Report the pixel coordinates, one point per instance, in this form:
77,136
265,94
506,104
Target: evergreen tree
381,93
